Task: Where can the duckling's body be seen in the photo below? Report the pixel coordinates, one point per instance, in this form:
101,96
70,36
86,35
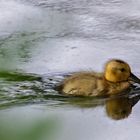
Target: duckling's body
115,79
91,84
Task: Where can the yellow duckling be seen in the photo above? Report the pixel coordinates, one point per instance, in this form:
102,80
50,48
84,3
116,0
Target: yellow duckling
117,77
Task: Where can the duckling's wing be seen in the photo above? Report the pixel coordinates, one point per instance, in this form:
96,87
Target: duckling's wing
81,84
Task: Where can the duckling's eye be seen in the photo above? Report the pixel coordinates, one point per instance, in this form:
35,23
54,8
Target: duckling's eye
122,70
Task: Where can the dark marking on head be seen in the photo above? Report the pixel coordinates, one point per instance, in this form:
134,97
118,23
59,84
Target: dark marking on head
120,61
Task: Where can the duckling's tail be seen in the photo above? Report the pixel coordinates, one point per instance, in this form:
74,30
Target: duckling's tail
59,88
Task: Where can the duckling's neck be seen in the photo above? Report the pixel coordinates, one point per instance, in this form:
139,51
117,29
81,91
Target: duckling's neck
115,82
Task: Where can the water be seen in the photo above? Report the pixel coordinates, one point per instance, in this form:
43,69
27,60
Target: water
41,41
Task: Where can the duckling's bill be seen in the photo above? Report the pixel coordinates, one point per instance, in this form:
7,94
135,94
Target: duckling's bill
134,78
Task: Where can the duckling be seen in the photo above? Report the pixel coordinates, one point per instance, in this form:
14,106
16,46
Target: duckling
116,78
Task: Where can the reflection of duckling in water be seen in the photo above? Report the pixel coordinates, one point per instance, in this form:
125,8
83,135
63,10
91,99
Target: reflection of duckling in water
120,108
117,77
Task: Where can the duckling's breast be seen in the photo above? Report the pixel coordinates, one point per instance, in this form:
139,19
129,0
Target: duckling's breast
114,88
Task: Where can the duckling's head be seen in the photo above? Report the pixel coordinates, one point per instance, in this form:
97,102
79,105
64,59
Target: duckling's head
119,71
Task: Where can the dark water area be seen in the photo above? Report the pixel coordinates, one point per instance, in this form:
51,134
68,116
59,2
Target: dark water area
41,41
